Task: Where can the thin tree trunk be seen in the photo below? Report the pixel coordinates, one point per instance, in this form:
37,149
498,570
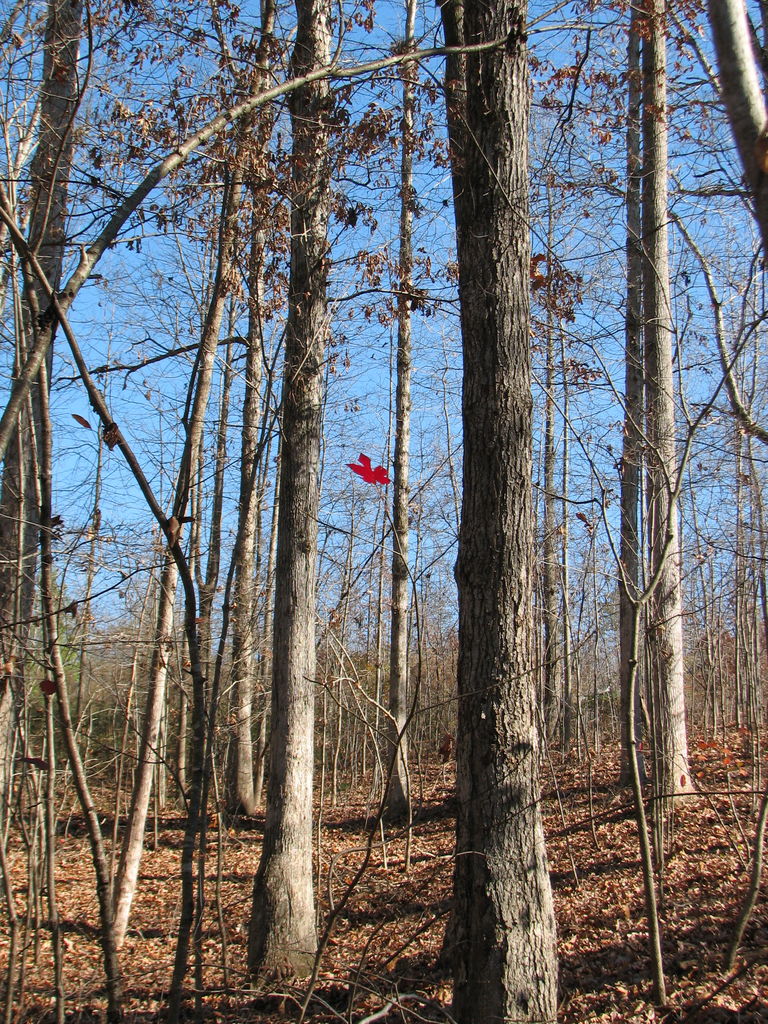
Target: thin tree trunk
283,935
569,712
551,563
56,667
633,408
49,174
398,799
743,100
197,402
665,624
241,790
132,846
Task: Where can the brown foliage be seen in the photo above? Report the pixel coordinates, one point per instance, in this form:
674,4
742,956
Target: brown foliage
386,943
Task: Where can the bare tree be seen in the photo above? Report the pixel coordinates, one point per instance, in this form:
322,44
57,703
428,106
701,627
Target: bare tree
197,403
665,623
283,936
49,180
398,795
633,399
503,930
743,99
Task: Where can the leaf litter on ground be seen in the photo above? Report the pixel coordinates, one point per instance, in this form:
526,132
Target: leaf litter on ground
383,955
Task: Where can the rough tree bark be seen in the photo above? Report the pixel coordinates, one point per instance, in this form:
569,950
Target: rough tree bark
49,176
665,622
503,930
241,797
283,935
743,99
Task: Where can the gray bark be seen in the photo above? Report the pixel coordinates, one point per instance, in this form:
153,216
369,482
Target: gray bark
49,173
283,935
665,624
241,795
550,570
398,801
631,456
503,932
132,846
200,387
743,100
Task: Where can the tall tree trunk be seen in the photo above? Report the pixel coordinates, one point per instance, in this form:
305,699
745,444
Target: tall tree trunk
505,960
55,666
241,787
49,175
550,556
132,846
743,99
283,935
197,403
570,708
665,624
398,801
631,455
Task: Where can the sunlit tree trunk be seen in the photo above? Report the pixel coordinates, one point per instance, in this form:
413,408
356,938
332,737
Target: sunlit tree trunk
503,931
283,936
197,403
240,795
50,170
665,624
398,795
242,791
550,569
743,99
570,706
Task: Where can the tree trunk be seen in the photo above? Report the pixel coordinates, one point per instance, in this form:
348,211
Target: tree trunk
665,624
398,800
197,403
49,174
55,665
550,570
631,455
743,100
132,846
505,960
241,792
570,708
283,936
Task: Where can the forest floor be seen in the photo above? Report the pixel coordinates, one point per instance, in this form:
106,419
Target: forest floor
383,949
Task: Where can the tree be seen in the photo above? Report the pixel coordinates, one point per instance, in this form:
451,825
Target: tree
665,623
197,403
503,931
398,795
49,173
743,100
633,403
242,795
283,937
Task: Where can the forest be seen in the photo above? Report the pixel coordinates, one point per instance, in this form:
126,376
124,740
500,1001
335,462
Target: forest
383,565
